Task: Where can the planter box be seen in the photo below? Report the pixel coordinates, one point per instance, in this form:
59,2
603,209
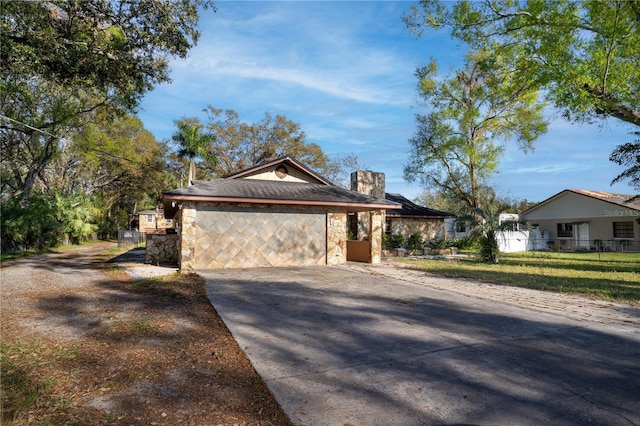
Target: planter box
400,252
440,252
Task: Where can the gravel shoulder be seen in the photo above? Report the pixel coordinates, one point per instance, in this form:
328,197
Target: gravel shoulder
84,344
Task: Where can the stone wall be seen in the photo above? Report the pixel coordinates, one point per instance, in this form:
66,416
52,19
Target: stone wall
162,249
259,235
428,228
376,221
368,183
187,249
336,237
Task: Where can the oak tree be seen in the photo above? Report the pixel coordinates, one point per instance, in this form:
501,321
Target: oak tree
61,61
456,147
239,145
583,54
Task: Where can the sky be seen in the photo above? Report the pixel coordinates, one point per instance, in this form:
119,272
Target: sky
344,71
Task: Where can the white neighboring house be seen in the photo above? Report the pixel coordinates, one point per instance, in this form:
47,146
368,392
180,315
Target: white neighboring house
588,220
515,240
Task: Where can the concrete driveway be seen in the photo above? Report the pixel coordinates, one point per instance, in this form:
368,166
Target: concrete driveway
382,345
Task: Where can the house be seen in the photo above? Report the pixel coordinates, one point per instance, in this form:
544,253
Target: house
152,220
581,219
414,219
276,214
409,219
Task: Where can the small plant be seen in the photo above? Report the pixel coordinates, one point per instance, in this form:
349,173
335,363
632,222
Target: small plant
438,243
396,241
468,242
415,242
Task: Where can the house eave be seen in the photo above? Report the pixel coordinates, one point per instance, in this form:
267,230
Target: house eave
350,207
401,216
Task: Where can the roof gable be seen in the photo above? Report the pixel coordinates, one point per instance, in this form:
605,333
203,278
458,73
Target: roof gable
580,203
284,169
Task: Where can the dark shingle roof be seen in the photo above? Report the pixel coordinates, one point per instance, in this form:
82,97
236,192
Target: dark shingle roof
410,209
272,192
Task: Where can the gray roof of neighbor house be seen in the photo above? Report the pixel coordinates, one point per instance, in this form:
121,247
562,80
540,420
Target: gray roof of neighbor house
412,210
271,192
617,199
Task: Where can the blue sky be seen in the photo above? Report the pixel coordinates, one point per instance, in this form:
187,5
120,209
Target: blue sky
345,72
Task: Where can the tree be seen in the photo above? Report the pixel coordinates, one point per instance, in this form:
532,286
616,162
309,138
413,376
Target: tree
455,147
61,61
628,154
96,179
485,225
241,145
119,163
194,143
584,54
118,48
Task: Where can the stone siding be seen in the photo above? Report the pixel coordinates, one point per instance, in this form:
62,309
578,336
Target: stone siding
187,252
376,221
244,235
428,228
368,183
336,238
162,249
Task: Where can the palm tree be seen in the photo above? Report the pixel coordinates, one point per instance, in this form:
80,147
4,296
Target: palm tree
486,226
193,143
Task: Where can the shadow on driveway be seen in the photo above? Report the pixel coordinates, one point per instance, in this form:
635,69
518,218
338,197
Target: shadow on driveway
337,346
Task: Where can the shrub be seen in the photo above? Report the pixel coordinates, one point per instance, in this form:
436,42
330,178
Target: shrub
415,242
469,242
396,241
439,243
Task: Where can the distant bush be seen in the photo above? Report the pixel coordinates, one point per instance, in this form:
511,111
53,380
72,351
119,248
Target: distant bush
415,242
467,243
439,243
396,241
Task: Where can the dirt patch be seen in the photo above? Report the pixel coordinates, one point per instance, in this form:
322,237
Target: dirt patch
83,344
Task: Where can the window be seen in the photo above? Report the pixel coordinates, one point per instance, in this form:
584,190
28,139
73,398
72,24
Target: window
352,231
623,230
565,230
461,227
387,228
149,218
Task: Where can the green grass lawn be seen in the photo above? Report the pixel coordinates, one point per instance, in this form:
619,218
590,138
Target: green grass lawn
608,276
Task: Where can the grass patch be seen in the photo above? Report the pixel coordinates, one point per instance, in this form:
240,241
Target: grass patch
23,387
14,255
608,276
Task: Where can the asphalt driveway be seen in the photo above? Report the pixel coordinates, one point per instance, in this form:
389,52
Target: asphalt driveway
371,346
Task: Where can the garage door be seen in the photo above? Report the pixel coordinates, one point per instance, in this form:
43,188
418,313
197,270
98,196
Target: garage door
233,237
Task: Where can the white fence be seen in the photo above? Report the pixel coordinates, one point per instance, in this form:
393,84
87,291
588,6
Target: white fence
515,241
